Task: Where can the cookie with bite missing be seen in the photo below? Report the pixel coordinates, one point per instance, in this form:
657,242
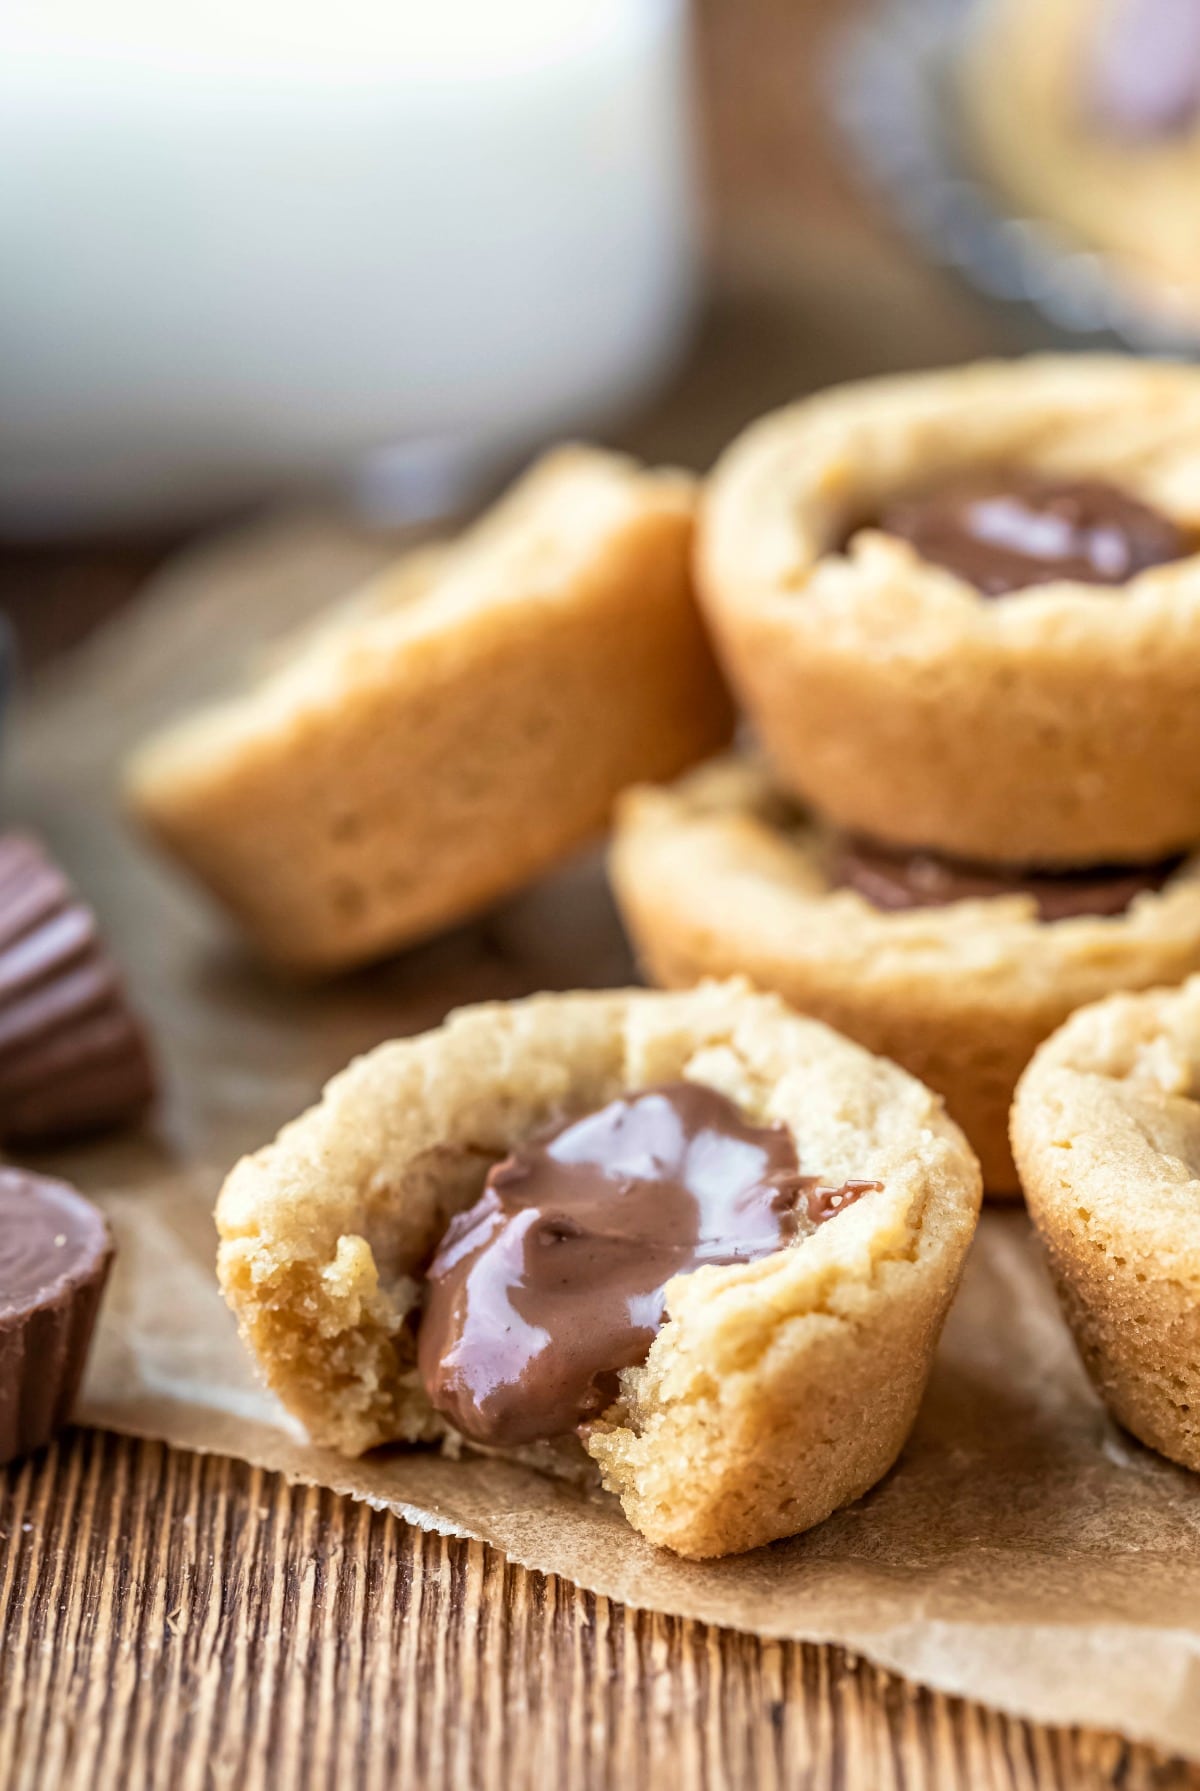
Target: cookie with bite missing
691,1241
1106,1134
950,970
458,729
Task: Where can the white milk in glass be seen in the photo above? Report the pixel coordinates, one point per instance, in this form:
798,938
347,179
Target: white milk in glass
250,239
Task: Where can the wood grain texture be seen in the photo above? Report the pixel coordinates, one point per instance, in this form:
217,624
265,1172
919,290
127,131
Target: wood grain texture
185,1622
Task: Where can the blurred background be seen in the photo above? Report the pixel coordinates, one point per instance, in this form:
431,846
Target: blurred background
370,256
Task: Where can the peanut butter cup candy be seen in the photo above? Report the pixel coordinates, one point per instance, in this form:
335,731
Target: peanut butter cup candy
691,1244
455,729
1106,1134
73,1057
55,1254
956,970
963,608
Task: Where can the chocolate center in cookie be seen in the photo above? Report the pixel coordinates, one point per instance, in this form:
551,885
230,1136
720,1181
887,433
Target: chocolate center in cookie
554,1279
1142,70
896,879
1012,530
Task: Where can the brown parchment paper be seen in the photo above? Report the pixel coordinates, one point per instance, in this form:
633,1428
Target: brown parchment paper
1024,1552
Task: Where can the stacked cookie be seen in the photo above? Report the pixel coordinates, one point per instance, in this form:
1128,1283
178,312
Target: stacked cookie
963,613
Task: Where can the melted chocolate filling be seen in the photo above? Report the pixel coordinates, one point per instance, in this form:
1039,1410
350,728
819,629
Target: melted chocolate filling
897,880
554,1280
1013,530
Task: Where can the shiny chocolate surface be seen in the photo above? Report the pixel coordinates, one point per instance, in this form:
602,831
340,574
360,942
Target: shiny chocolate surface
554,1280
1013,530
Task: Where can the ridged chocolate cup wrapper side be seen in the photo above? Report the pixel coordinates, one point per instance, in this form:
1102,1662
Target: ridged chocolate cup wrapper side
55,1254
73,1058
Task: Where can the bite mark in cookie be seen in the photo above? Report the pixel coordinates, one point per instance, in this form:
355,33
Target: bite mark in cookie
556,1278
776,1388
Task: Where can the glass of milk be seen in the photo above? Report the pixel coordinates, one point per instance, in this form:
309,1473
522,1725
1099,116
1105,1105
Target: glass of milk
246,241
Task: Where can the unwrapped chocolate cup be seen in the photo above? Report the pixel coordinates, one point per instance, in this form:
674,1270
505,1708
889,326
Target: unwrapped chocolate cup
73,1058
55,1254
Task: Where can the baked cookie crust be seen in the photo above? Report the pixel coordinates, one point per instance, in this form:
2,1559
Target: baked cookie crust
1025,107
1059,725
1106,1133
720,875
455,729
777,1390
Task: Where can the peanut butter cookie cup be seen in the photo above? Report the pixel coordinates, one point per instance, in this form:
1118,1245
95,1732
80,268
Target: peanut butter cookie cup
954,971
963,608
1106,1133
463,725
692,1241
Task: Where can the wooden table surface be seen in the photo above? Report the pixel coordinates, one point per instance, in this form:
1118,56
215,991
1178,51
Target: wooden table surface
180,1621
170,1620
